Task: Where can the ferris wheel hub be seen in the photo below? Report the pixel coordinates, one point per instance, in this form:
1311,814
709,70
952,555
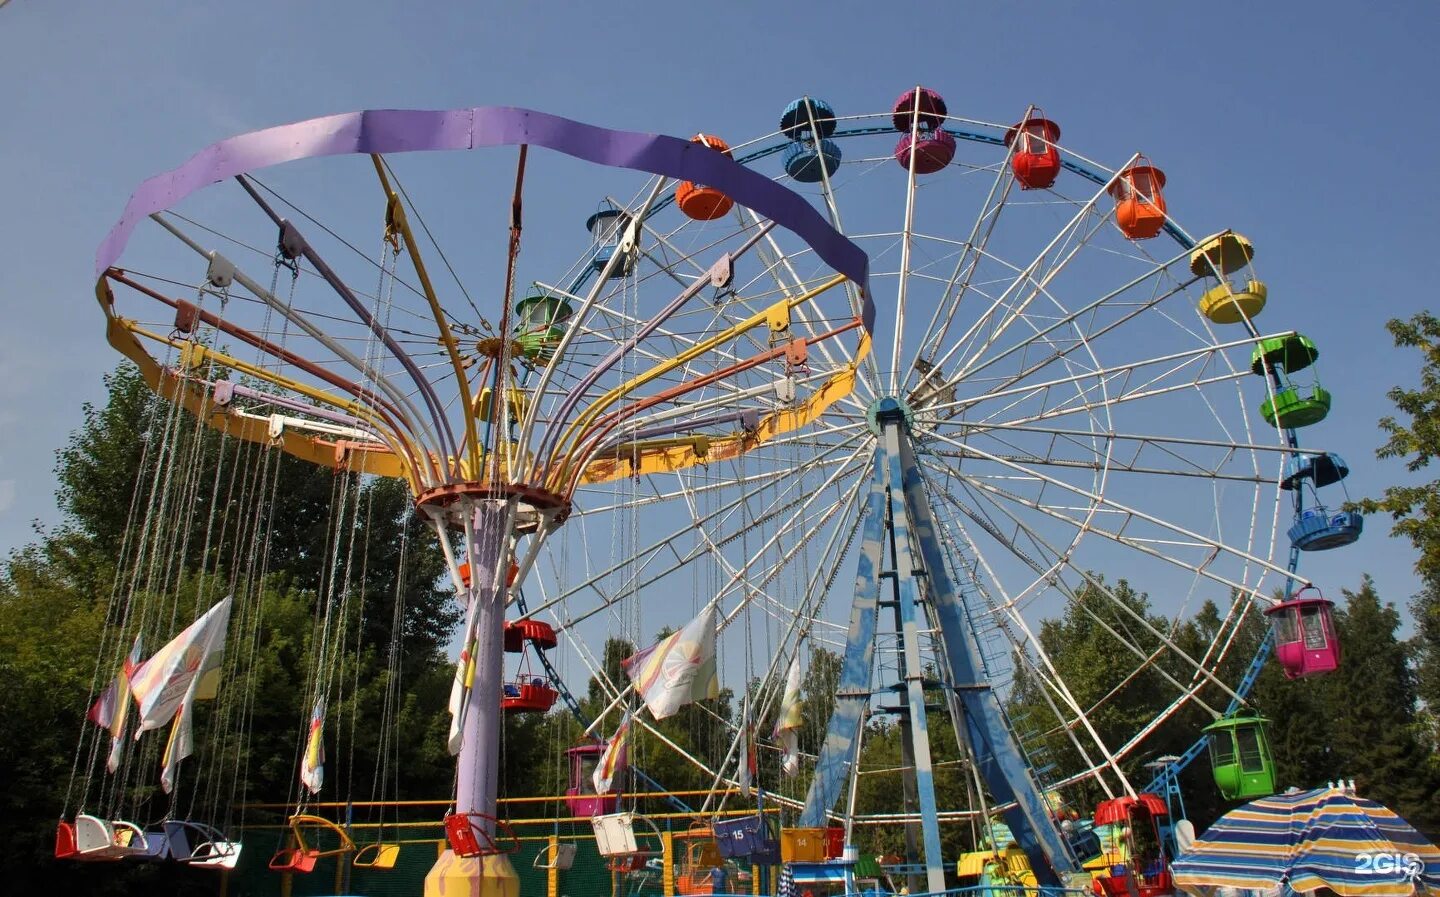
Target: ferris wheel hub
886,409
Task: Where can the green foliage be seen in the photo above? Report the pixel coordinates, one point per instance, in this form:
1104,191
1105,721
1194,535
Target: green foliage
1373,710
1415,438
202,501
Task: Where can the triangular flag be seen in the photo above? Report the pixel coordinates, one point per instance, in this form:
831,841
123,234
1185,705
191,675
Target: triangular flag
679,669
312,762
613,758
113,706
792,717
186,669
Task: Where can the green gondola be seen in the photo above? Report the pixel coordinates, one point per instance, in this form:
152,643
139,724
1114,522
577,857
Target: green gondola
1240,756
539,324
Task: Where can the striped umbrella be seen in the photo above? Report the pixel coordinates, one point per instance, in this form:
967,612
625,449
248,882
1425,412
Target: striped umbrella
1326,838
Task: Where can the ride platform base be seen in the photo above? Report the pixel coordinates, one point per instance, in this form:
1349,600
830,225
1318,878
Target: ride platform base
482,876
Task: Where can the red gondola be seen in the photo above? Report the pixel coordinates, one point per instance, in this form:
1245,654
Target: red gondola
1034,158
537,632
1136,854
529,695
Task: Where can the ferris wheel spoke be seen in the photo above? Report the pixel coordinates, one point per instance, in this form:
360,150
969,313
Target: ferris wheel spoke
869,366
799,620
1097,503
1065,559
1027,274
715,484
1108,464
1006,614
738,579
1070,320
613,694
1200,358
1148,439
972,251
781,270
1180,700
626,322
713,517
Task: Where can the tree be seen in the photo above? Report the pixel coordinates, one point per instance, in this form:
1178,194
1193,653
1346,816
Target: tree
1415,508
1414,435
1093,648
1371,709
136,458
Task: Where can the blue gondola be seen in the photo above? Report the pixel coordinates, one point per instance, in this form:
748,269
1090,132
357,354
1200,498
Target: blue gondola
811,156
1316,527
608,227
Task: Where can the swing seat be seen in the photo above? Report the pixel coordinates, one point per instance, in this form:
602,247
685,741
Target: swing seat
376,856
192,843
294,859
558,856
157,845
615,834
98,839
93,837
303,856
469,840
615,839
745,837
802,845
65,841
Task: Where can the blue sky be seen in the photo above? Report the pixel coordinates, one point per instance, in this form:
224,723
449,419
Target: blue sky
1308,127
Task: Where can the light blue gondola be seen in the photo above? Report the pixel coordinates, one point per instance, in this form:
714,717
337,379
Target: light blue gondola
1316,527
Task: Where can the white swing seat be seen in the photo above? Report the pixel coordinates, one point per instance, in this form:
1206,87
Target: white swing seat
197,844
615,834
216,855
98,839
93,835
562,857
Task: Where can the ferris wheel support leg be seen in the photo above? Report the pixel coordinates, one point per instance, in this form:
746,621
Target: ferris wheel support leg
852,695
478,765
1002,763
915,721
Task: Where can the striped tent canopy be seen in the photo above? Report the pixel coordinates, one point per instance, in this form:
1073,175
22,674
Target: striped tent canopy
1303,841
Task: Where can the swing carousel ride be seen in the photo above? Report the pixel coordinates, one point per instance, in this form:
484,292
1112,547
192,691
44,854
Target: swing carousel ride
952,359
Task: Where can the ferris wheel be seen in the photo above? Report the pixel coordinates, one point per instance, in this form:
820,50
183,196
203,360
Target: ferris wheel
898,385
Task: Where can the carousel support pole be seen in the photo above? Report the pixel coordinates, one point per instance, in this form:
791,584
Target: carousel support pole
478,765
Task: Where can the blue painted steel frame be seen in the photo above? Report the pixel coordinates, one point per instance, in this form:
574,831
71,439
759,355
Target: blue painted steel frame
898,498
837,752
996,751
